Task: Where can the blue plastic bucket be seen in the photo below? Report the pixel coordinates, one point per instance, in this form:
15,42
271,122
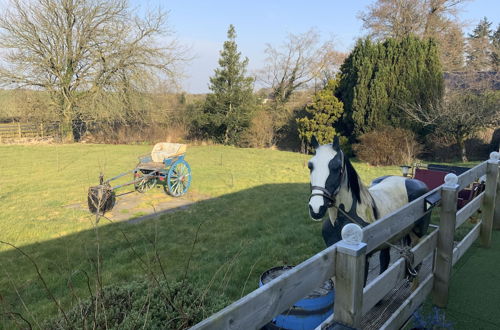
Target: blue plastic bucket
307,313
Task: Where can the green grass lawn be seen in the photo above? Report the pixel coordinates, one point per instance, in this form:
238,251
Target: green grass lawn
256,218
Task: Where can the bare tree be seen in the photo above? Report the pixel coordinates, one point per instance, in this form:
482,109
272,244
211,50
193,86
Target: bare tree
75,49
451,46
299,62
394,18
424,18
460,115
296,63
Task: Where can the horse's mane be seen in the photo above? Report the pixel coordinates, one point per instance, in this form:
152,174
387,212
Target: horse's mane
353,179
355,185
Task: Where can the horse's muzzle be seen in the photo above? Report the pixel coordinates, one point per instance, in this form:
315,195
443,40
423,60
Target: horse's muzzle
319,215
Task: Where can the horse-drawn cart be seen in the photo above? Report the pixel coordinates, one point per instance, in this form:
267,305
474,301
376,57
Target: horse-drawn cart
165,166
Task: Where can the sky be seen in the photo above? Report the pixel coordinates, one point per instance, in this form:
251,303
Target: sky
202,26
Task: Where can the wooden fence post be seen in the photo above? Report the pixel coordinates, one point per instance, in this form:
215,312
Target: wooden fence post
496,214
444,253
488,207
349,280
19,129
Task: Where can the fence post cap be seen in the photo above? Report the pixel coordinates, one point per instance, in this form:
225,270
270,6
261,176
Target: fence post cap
495,155
450,180
352,233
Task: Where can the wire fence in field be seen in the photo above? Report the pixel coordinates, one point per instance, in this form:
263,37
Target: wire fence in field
14,131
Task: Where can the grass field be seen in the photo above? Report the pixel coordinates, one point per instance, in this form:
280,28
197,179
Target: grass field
255,218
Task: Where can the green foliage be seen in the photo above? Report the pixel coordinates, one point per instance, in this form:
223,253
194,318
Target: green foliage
323,112
377,78
142,305
227,111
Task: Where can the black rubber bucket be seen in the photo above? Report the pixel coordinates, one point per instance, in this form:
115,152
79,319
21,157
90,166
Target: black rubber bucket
307,313
101,199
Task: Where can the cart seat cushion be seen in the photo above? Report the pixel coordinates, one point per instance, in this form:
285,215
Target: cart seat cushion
164,150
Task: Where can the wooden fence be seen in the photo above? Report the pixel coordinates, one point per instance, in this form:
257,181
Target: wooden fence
347,262
14,131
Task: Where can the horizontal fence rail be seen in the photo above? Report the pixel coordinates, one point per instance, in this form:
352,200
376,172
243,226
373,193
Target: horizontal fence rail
468,210
395,223
471,175
262,305
466,243
28,130
352,302
385,282
408,307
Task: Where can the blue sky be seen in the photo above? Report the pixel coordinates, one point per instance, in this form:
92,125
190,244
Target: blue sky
202,25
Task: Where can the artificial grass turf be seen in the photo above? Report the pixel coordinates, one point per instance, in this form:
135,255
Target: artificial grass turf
474,301
474,297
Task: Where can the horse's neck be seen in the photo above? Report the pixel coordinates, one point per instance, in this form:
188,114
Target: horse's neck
363,208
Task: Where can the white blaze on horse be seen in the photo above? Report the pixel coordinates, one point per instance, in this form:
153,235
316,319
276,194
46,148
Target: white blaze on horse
337,189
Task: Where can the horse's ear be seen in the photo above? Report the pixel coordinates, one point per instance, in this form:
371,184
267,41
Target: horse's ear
336,143
314,142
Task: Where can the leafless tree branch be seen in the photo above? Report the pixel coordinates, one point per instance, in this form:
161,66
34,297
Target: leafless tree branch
76,48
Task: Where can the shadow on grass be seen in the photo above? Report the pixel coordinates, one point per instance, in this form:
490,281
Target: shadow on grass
226,241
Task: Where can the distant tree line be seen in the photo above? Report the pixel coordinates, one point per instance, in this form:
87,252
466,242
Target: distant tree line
96,60
83,64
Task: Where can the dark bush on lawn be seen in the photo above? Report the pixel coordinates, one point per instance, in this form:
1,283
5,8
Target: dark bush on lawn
142,305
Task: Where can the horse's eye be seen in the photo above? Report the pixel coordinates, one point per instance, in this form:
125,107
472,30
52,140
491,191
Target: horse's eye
310,166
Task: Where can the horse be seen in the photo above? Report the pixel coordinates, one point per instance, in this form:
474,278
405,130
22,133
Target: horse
337,188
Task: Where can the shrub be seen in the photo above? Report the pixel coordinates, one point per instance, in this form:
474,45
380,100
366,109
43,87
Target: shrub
388,146
141,305
322,113
260,134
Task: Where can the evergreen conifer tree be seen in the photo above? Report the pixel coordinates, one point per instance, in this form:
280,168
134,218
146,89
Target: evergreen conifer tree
377,78
228,109
323,112
478,47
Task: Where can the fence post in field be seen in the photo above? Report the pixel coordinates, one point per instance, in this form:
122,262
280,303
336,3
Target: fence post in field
19,129
488,208
444,253
349,280
41,130
496,214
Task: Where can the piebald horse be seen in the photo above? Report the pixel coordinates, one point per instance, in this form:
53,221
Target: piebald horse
335,186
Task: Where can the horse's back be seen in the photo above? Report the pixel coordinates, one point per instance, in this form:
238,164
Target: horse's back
392,192
389,194
414,188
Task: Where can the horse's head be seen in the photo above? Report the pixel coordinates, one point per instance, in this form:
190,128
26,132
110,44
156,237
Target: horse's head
327,172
